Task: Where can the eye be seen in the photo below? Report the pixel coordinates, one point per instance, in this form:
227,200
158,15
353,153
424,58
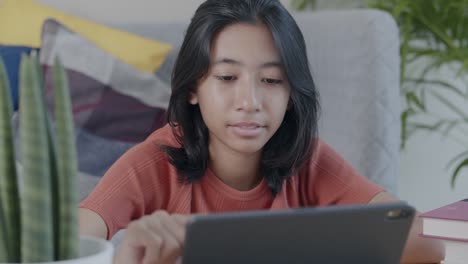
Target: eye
272,81
226,78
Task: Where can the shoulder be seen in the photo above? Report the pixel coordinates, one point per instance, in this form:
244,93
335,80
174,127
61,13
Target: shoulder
324,159
147,156
145,172
151,147
327,178
163,136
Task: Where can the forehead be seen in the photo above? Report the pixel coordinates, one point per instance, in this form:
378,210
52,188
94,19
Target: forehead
248,43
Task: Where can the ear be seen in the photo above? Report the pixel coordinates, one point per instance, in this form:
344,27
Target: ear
193,98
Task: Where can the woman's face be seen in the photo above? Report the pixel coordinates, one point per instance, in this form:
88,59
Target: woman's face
245,94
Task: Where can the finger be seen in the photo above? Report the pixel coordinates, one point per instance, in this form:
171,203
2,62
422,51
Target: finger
140,243
173,235
171,249
164,237
149,237
153,249
176,228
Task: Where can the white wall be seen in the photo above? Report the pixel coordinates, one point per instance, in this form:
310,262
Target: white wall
425,176
424,181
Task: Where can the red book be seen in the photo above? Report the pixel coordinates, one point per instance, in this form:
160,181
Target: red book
447,222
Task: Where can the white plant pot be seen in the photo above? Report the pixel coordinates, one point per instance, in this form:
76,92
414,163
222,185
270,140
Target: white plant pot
92,251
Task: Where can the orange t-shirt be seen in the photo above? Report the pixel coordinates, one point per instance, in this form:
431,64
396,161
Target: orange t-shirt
143,181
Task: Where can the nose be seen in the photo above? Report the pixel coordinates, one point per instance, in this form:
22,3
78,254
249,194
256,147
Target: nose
248,96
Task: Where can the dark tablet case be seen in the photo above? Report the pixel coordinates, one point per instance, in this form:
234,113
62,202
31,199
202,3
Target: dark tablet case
374,234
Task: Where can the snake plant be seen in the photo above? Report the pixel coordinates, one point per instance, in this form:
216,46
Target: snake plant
9,196
42,226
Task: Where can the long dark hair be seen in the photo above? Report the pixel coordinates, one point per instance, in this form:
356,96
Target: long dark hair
288,149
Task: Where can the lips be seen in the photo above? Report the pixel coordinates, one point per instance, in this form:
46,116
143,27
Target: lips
247,125
247,129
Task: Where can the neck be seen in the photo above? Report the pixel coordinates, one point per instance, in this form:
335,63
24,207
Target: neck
238,170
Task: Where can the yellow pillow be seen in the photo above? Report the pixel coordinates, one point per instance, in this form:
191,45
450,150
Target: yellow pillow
21,24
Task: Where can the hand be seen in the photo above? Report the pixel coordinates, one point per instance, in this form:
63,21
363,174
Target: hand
154,239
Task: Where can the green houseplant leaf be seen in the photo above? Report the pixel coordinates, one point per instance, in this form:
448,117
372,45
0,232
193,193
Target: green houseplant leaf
42,226
36,203
434,32
53,162
301,5
9,193
457,170
3,245
67,167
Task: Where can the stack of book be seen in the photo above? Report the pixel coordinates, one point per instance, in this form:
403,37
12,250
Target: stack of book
449,223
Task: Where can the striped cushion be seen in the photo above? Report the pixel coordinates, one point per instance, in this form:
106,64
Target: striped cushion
115,105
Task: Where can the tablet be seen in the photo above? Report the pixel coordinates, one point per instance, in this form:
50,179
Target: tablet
373,233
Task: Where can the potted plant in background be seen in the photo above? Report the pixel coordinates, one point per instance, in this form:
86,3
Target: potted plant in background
434,36
39,206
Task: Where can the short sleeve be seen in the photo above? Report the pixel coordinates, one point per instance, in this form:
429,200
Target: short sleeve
331,180
128,190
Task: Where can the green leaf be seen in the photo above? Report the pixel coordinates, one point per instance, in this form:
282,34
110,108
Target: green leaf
4,255
404,48
430,127
399,8
412,98
67,167
460,166
404,121
439,83
298,5
301,5
450,105
9,193
458,157
54,185
36,206
434,28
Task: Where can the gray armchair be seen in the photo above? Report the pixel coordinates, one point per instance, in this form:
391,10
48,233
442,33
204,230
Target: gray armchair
354,56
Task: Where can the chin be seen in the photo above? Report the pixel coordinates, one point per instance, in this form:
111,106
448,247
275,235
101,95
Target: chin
248,147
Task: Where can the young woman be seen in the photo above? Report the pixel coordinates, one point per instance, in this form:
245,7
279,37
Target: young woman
242,135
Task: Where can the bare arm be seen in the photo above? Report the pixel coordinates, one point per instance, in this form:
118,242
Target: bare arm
91,224
418,249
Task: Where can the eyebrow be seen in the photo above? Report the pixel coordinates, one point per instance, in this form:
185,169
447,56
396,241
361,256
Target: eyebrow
268,64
